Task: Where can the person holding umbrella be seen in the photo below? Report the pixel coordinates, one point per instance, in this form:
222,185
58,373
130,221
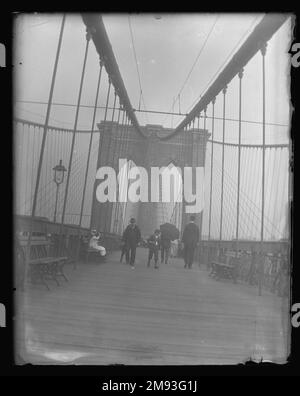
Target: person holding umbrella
165,246
168,233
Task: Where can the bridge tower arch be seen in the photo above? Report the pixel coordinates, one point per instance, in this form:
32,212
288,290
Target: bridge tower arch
185,149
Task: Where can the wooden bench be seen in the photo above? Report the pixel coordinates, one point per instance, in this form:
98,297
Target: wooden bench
40,265
93,252
226,269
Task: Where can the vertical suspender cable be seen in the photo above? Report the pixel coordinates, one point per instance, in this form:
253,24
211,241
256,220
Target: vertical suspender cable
119,185
114,209
44,137
211,166
263,52
104,121
89,148
240,75
73,143
223,146
203,162
122,204
108,157
93,125
125,176
126,149
203,143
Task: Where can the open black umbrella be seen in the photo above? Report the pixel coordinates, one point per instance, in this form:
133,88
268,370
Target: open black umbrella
170,231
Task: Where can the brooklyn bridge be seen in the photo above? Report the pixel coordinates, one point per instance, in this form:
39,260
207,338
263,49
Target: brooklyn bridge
174,92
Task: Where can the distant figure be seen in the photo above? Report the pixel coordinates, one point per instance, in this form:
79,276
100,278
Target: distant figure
131,238
154,246
190,240
174,248
250,278
123,251
94,243
165,246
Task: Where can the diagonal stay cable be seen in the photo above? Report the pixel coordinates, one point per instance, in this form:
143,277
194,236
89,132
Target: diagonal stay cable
225,61
137,66
198,56
177,97
254,208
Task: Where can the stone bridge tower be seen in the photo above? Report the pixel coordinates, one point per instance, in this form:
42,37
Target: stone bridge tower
116,141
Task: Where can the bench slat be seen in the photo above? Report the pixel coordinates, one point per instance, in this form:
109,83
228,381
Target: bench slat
42,266
223,264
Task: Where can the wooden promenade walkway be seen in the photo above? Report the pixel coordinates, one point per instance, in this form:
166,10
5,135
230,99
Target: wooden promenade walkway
110,314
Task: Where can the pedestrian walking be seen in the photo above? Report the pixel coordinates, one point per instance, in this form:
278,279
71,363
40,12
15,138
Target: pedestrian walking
154,246
165,246
131,237
174,248
123,251
190,240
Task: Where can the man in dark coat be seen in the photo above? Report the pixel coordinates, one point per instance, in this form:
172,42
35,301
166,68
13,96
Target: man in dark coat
165,246
131,238
190,240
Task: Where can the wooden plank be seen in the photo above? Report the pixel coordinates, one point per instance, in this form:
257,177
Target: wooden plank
108,313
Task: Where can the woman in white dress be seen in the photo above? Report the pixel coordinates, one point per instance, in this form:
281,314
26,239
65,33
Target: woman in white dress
94,243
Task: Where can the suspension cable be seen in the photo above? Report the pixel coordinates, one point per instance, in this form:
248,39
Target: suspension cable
73,143
44,137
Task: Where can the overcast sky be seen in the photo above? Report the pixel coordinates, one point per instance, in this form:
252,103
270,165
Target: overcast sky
176,53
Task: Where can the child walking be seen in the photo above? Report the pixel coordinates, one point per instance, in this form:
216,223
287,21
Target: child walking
154,246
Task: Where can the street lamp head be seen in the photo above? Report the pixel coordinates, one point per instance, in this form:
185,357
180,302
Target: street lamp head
59,173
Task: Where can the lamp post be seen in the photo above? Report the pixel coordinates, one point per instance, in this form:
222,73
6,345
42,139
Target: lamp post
59,174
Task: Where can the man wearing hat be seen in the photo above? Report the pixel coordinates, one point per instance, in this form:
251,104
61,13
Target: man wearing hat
131,238
190,240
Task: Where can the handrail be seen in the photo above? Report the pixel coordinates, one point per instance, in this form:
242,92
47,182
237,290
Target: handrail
280,145
50,127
